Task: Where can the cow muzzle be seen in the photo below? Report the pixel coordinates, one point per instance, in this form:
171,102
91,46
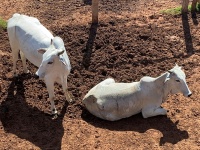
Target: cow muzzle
36,76
40,76
188,94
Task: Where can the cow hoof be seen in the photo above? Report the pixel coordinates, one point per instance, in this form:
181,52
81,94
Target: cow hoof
55,116
71,101
27,71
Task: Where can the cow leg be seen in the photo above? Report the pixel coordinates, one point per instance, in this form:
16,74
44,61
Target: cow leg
15,53
50,89
67,95
153,111
66,92
24,62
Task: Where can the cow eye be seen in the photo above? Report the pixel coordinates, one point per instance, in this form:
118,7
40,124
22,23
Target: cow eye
50,62
177,80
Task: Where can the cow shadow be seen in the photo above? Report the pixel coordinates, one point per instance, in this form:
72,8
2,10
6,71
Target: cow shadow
89,45
28,122
171,134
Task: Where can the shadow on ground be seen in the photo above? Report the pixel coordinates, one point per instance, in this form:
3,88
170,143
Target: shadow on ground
171,134
28,122
89,45
187,34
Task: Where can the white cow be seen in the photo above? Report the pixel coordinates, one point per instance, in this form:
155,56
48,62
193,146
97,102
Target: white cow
113,101
27,35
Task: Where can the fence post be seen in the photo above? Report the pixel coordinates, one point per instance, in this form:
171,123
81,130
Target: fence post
194,4
185,6
95,11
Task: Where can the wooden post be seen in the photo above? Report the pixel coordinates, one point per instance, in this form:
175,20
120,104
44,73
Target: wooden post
185,6
95,11
194,4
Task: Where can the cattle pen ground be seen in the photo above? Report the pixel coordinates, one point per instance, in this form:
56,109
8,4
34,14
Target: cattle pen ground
132,39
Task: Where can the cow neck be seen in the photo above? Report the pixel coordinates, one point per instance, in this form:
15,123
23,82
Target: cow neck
166,89
163,86
161,79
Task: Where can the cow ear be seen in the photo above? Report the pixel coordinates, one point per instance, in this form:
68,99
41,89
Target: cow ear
167,79
60,52
52,44
177,66
170,71
51,41
168,76
41,51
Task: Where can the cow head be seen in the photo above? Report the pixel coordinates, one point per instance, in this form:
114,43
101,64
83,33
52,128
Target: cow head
177,82
50,60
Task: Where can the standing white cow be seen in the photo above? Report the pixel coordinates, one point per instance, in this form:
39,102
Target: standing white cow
27,35
113,101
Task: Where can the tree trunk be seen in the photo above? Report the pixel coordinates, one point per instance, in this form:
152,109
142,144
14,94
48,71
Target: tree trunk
95,11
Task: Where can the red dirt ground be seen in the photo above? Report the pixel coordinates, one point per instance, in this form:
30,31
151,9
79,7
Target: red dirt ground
132,39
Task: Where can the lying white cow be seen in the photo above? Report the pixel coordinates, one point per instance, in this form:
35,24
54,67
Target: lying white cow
27,35
113,101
